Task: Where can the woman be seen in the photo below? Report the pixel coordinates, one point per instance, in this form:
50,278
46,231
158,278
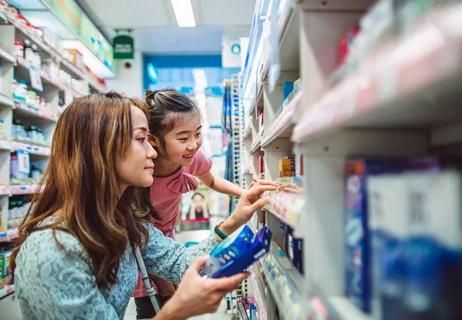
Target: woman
75,256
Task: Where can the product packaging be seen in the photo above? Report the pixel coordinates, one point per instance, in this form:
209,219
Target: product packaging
237,252
357,233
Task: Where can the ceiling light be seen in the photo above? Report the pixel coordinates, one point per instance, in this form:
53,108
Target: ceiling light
184,13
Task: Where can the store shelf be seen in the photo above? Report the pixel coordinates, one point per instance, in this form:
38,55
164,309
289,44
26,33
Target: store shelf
9,235
398,88
98,87
6,291
259,296
24,189
4,190
248,131
291,302
6,101
7,56
32,149
256,142
5,145
242,312
346,310
69,67
282,126
257,103
24,110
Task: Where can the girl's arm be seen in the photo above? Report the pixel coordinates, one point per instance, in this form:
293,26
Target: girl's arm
221,185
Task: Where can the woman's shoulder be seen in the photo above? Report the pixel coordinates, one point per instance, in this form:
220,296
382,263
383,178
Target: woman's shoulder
53,242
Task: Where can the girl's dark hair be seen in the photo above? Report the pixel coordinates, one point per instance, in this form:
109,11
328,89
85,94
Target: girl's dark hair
166,107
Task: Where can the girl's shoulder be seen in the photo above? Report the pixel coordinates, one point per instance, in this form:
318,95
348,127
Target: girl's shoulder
200,164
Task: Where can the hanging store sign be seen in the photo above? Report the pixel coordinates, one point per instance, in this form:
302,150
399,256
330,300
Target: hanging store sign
123,47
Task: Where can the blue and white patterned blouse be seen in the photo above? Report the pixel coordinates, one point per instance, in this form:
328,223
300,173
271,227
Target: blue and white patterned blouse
51,283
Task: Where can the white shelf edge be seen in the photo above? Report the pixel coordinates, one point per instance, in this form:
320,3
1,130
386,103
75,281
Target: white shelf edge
7,101
19,106
283,121
6,291
24,189
7,56
346,309
32,149
8,235
342,104
256,143
5,145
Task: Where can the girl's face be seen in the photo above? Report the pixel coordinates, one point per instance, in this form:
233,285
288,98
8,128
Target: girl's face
136,168
183,141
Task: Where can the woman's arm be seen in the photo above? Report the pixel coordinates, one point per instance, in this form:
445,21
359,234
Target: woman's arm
169,260
197,295
58,283
221,185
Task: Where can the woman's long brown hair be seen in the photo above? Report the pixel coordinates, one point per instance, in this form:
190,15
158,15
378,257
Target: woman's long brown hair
81,182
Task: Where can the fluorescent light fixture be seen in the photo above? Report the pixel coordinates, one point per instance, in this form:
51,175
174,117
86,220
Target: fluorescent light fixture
89,59
184,13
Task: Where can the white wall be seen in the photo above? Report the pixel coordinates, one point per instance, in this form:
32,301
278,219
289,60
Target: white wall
128,81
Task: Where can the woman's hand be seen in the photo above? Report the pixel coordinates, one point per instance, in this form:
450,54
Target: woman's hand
249,202
197,295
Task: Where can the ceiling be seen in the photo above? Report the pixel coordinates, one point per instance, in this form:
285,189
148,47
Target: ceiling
155,29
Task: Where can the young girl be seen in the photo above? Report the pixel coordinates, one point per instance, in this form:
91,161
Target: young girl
75,256
175,124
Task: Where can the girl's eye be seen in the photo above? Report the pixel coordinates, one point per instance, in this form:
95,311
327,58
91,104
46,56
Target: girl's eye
183,139
198,134
142,140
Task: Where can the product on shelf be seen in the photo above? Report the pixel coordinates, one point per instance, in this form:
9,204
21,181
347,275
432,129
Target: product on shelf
288,201
287,166
293,247
17,210
345,43
76,58
237,252
5,269
3,133
418,244
20,90
20,165
357,171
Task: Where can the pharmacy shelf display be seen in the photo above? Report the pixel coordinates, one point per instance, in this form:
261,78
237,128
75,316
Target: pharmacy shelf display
354,105
37,81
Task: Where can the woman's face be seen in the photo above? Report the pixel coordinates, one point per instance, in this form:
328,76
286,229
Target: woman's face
183,141
136,168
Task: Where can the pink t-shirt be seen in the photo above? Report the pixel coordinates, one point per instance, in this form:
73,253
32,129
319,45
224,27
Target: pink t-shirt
166,192
165,197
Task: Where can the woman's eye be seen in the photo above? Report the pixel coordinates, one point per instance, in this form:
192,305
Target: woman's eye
142,140
198,134
183,139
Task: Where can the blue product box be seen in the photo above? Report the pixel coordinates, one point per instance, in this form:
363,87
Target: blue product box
357,273
237,252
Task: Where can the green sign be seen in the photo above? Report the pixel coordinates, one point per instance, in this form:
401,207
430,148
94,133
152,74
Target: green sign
123,47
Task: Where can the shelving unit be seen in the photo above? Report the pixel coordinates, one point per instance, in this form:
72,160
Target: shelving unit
41,117
401,100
